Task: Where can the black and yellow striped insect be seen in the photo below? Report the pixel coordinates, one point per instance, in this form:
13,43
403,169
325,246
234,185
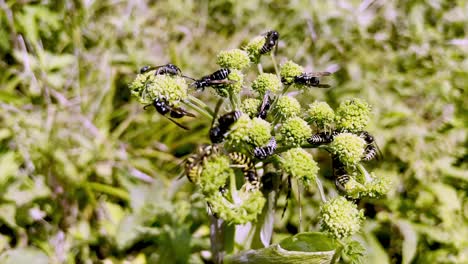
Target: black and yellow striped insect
193,164
247,166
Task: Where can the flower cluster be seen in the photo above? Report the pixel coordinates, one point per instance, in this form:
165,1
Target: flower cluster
264,127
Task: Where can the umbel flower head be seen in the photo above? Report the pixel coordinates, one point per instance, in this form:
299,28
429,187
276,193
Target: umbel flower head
233,59
300,165
147,87
253,48
286,107
294,132
245,209
340,218
246,133
265,82
353,115
234,87
321,114
289,70
250,106
216,170
348,147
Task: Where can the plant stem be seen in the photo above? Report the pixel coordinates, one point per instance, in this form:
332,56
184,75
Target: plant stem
216,239
364,172
110,190
260,68
200,103
199,110
320,188
273,58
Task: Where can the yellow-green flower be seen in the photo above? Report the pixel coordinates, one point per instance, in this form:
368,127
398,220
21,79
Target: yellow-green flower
340,218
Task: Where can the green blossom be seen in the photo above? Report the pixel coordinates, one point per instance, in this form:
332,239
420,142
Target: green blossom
289,70
353,115
235,87
286,107
340,218
247,133
348,147
148,87
295,132
138,87
214,174
322,114
300,165
250,106
265,82
247,206
253,48
233,59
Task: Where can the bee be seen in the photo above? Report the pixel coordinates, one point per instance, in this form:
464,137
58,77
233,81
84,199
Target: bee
340,174
250,174
193,163
311,79
271,41
372,150
341,180
265,106
218,132
163,107
266,151
169,68
218,77
322,138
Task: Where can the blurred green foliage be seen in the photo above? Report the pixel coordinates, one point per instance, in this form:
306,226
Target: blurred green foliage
86,176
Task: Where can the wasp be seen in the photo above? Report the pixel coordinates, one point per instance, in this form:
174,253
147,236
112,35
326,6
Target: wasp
169,68
163,107
265,106
193,164
250,174
216,78
322,138
271,41
266,151
372,150
218,132
311,79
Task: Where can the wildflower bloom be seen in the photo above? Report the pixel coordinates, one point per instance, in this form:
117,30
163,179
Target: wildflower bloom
253,48
265,82
294,132
299,164
340,218
234,87
352,115
286,107
233,59
216,170
348,148
321,114
247,133
246,207
250,106
289,71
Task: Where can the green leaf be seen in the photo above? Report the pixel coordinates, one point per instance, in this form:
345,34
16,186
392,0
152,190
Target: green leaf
313,248
26,255
7,214
410,241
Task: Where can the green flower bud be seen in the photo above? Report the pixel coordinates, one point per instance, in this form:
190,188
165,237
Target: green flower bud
379,185
265,82
250,106
215,172
340,218
246,208
322,114
295,132
138,87
235,87
286,107
289,70
233,59
253,48
353,115
246,133
300,165
348,147
173,89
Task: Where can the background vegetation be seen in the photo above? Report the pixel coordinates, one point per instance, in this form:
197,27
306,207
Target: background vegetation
87,176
